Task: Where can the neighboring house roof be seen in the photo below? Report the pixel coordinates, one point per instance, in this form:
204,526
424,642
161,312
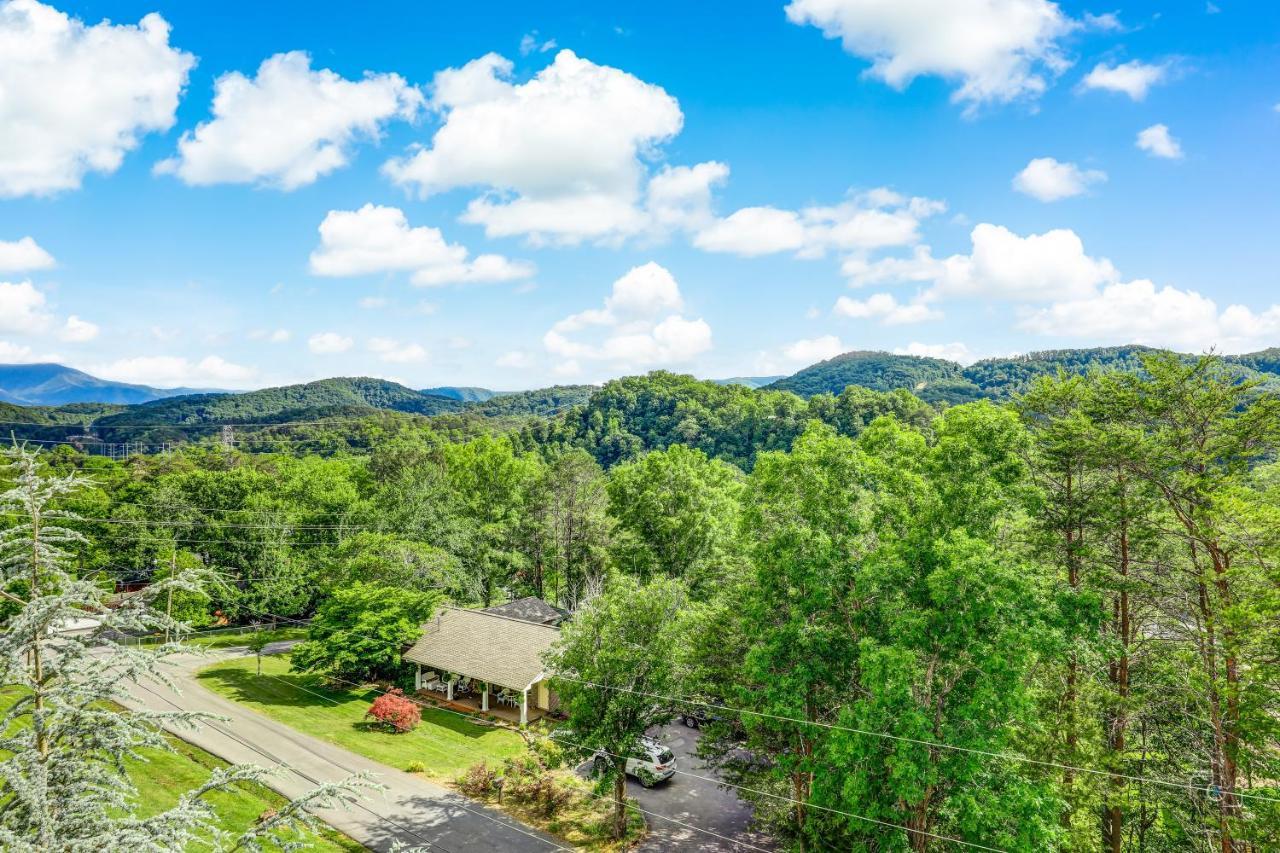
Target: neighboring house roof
531,609
497,649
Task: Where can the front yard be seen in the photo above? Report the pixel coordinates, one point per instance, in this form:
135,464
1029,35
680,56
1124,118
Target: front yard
161,776
443,745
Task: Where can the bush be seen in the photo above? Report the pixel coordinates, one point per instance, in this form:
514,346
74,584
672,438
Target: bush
395,712
550,753
479,782
527,782
416,767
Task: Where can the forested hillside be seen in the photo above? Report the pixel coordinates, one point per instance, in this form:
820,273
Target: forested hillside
1048,624
931,379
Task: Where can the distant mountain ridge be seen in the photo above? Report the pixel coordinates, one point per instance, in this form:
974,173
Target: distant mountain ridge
56,385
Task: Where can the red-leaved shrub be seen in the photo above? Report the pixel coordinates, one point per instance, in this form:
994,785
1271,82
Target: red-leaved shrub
395,712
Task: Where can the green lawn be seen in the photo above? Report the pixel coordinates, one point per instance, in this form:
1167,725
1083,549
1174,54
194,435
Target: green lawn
231,639
162,776
445,743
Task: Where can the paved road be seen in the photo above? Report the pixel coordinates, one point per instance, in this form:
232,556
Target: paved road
410,810
704,817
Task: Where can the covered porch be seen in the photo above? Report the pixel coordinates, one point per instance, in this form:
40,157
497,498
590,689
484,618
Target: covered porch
485,662
481,698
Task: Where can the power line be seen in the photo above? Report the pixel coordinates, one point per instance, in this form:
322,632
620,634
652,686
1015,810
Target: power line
305,776
934,744
477,752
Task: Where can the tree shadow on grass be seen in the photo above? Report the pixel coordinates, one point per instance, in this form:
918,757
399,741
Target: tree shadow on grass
290,689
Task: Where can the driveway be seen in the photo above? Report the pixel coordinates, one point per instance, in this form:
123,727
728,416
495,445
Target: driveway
701,815
411,810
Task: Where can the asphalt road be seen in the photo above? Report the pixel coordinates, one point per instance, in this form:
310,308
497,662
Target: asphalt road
410,809
690,814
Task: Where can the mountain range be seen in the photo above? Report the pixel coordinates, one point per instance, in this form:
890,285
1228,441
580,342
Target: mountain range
58,401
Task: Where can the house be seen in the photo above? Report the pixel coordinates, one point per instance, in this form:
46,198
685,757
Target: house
531,609
465,652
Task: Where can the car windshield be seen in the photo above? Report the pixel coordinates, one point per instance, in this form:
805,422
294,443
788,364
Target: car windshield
664,756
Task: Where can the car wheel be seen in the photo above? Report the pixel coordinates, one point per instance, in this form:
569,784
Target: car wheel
691,722
646,781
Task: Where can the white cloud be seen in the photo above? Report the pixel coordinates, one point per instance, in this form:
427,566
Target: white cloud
560,156
1001,265
515,359
1133,78
394,352
376,239
886,308
811,350
11,353
1047,179
955,351
1140,312
23,255
996,50
289,125
23,308
1158,142
75,330
74,98
680,196
638,326
873,220
271,336
168,371
328,343
530,43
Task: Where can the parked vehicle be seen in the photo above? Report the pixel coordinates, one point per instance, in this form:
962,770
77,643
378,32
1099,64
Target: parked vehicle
651,763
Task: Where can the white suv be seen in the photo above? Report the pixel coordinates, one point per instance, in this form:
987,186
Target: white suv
650,764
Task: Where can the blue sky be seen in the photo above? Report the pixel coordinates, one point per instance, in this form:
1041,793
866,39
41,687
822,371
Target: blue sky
516,195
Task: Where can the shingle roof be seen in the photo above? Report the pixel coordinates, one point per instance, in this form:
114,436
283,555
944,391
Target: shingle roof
493,648
531,609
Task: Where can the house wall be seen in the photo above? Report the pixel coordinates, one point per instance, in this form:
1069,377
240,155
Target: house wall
544,698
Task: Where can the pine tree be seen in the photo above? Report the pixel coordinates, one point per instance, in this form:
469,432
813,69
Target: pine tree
66,740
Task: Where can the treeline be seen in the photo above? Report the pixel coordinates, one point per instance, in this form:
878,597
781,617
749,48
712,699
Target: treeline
1052,624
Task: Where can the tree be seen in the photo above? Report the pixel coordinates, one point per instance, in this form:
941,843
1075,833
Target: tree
360,631
568,519
257,643
396,712
677,514
610,663
63,784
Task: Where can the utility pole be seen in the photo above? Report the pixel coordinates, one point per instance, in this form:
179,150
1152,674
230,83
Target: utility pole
228,437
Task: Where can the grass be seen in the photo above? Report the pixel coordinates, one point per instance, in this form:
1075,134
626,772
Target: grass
161,776
444,744
230,638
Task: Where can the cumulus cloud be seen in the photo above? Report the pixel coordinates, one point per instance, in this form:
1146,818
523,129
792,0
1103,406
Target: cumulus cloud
877,219
1158,142
885,308
23,255
289,125
640,325
1133,78
376,239
169,371
561,157
1001,265
76,330
23,308
994,51
395,352
679,197
955,351
1143,313
76,98
810,350
11,353
329,343
1047,179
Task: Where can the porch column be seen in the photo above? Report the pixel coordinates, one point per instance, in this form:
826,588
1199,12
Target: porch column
484,698
451,688
417,677
524,707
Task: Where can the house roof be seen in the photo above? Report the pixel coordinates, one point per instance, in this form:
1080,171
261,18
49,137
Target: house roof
531,609
488,646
